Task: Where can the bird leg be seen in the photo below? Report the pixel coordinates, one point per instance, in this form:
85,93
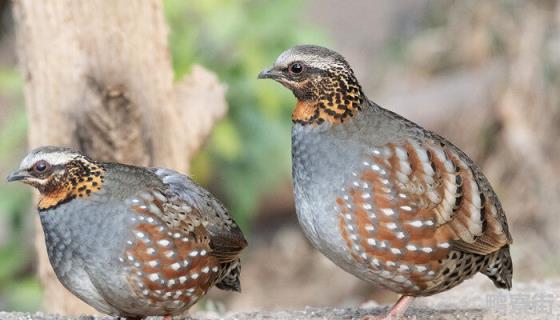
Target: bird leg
396,311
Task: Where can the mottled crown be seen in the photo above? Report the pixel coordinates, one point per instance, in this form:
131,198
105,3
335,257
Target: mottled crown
52,154
314,56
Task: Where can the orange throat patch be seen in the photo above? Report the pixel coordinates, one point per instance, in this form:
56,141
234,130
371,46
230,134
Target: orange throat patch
75,185
304,111
317,112
52,199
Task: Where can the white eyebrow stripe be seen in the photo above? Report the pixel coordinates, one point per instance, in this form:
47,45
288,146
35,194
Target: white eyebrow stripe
292,55
54,158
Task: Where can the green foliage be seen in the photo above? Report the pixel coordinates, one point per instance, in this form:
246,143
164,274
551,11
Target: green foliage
18,291
13,133
25,295
10,81
249,151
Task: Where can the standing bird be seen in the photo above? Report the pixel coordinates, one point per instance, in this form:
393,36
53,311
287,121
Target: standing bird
131,241
385,199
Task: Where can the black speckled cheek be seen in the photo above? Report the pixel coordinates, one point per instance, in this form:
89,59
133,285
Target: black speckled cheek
336,95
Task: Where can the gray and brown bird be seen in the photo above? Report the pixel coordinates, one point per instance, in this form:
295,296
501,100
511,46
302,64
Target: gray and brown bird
385,199
131,241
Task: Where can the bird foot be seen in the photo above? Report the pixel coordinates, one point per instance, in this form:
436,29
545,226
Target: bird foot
396,312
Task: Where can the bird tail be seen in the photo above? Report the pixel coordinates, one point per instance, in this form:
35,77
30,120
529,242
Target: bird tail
229,279
500,268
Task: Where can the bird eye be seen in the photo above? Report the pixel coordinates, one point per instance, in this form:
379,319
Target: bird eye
41,166
296,68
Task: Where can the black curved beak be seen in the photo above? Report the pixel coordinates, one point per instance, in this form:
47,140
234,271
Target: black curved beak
269,73
18,175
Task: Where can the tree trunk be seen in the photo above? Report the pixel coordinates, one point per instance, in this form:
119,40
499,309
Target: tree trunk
98,78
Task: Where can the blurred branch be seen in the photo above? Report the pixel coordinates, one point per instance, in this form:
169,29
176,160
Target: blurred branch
200,97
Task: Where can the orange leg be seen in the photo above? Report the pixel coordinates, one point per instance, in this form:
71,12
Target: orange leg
396,311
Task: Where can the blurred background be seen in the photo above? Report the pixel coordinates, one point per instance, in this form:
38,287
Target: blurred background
485,74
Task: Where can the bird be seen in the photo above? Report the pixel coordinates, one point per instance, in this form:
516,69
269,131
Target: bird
131,241
386,200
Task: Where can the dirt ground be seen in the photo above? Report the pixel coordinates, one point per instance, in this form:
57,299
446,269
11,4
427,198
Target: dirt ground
477,301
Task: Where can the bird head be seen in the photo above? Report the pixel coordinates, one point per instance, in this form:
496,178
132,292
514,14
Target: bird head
59,174
321,80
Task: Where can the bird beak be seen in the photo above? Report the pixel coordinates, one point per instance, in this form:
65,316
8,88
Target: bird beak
18,175
269,73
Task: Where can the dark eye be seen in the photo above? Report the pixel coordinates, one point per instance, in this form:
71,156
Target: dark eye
296,68
41,166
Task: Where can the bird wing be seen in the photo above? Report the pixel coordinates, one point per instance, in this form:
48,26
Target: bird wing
225,237
417,200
